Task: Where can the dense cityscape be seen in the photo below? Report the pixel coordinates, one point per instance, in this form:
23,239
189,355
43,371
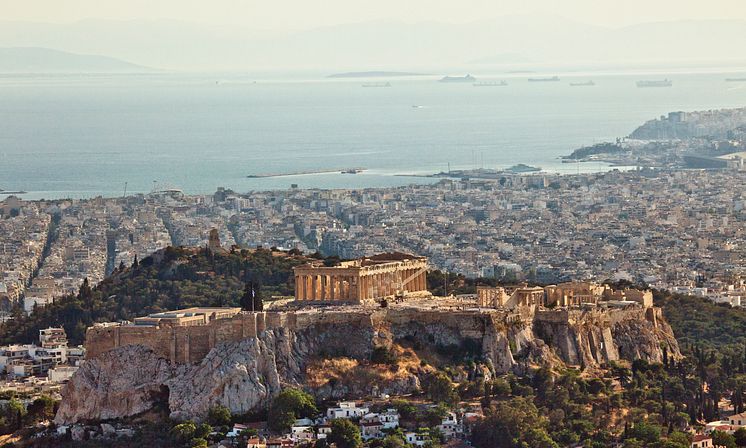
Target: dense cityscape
675,230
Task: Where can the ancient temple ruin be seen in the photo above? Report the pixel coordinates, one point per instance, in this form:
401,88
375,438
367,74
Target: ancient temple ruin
362,280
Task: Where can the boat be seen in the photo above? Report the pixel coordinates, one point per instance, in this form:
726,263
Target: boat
377,84
522,168
352,171
662,83
490,84
552,79
582,84
417,106
467,78
735,79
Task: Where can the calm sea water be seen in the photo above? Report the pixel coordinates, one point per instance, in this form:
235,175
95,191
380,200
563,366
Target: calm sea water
81,136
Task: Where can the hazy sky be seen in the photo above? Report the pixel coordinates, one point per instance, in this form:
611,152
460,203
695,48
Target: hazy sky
301,14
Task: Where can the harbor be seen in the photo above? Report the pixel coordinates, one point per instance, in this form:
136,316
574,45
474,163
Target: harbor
308,172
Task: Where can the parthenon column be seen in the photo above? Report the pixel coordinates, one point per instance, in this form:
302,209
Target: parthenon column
333,293
364,287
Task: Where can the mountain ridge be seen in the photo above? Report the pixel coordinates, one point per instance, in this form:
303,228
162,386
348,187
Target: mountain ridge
42,59
379,45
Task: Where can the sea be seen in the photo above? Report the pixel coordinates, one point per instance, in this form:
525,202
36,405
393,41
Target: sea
80,136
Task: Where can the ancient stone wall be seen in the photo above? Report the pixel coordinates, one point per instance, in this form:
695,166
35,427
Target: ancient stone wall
182,344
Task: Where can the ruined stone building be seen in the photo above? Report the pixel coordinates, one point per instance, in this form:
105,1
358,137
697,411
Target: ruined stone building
362,280
568,294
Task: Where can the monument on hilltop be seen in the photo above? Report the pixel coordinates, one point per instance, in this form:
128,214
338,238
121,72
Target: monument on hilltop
363,280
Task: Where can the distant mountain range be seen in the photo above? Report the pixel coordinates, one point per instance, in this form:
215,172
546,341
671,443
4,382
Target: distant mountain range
513,42
42,60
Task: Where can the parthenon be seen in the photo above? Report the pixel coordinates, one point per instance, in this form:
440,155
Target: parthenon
361,280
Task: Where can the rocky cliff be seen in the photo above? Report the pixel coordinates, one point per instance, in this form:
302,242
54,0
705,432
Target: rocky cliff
244,375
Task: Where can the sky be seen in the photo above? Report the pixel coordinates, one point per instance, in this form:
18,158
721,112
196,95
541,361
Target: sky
289,15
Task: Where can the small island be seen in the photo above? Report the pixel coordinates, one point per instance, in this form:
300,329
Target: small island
588,153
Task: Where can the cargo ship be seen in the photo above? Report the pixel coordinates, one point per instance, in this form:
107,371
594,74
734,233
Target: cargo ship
552,79
377,84
663,83
490,84
467,78
735,79
582,84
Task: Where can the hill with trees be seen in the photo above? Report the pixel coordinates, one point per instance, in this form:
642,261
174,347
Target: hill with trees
173,278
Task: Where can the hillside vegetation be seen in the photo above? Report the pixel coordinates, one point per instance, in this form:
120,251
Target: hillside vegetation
698,321
171,279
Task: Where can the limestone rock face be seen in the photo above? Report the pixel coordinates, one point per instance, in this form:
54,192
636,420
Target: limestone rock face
244,375
117,384
239,376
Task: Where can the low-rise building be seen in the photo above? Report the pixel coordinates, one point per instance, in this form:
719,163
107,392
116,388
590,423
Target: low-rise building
346,409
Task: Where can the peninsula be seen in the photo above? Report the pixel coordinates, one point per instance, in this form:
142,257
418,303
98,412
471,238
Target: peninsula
308,172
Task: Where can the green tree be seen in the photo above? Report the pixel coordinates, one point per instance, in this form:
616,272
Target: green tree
184,431
290,405
720,438
740,436
393,441
514,423
41,409
199,442
439,388
644,432
202,431
219,416
681,438
344,434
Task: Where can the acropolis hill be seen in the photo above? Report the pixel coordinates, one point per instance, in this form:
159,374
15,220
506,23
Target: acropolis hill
190,360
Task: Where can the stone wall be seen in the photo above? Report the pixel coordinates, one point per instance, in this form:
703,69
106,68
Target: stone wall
181,344
190,344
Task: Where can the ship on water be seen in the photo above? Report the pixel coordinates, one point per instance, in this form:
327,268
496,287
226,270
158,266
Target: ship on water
662,83
551,79
582,84
467,78
735,79
377,84
490,84
9,192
